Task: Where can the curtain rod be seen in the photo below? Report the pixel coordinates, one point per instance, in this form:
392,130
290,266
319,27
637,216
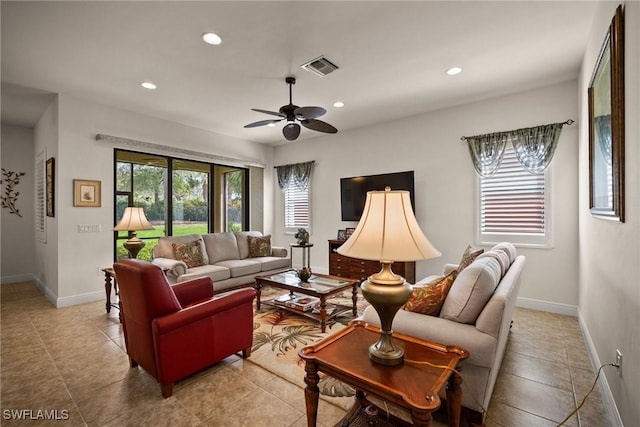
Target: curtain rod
293,164
568,123
166,148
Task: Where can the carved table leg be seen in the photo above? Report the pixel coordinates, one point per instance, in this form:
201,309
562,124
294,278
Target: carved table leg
421,418
107,289
454,399
323,313
311,392
258,292
354,298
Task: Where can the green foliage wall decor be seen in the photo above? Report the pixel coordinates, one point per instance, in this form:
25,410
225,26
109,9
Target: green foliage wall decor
11,179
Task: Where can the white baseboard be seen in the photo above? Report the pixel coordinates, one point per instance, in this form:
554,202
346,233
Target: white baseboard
551,307
607,396
5,280
80,299
53,299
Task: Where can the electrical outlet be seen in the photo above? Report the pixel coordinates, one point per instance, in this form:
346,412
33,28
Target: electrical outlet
618,359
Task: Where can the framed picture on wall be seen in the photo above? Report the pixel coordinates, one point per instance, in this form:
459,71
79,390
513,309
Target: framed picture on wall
86,193
606,126
50,186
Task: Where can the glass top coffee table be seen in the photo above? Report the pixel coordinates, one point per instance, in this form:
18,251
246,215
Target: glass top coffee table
320,286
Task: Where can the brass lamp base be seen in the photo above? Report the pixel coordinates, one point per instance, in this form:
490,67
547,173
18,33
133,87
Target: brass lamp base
386,292
133,246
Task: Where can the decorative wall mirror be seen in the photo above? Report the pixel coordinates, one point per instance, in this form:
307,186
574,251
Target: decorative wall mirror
606,126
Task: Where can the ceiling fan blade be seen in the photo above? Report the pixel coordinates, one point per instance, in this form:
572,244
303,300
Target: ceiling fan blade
273,113
310,112
318,125
291,131
262,123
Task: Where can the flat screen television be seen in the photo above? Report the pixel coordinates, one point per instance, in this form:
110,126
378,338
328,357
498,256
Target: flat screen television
353,191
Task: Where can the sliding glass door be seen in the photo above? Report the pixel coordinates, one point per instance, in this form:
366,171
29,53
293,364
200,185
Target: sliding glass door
179,197
190,197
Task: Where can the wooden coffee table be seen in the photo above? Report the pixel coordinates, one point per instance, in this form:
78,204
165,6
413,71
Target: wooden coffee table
411,386
320,286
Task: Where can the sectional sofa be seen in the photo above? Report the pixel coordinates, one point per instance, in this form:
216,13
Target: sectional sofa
231,260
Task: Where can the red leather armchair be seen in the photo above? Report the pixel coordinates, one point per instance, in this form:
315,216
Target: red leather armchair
175,331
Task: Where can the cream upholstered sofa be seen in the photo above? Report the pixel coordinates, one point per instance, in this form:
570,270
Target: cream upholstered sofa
225,258
476,315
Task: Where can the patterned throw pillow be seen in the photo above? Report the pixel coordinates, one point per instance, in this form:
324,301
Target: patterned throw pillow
189,253
468,256
259,246
428,299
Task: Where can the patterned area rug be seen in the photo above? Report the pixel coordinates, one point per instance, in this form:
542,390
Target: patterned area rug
278,335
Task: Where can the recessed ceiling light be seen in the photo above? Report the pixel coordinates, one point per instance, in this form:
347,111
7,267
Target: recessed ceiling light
148,85
212,38
454,71
338,104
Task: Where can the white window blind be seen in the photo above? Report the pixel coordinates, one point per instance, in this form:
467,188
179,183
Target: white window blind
297,210
513,205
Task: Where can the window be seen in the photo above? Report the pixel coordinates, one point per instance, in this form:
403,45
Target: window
297,209
179,197
513,205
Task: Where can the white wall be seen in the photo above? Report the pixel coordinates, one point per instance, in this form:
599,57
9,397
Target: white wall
18,244
610,251
430,145
77,256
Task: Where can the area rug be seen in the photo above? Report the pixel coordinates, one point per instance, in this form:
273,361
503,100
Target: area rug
278,335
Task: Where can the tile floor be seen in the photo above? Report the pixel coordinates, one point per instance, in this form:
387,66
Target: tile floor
73,360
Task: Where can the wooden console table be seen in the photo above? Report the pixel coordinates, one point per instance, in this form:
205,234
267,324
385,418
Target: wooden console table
411,386
360,269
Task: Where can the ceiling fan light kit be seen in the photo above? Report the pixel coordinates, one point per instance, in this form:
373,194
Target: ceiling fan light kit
307,116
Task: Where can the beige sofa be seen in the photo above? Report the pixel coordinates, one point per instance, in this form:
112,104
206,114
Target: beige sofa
225,259
476,315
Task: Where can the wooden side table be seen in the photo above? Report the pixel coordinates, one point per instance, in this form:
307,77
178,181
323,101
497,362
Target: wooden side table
411,386
306,253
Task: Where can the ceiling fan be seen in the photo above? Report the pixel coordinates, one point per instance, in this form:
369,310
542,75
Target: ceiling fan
307,116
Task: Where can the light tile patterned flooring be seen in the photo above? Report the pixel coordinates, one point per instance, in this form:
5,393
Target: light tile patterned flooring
73,359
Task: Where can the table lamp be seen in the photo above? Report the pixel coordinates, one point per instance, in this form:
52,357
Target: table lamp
133,219
388,231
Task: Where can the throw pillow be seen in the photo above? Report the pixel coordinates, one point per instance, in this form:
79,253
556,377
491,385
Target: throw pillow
189,253
471,290
259,246
428,299
468,257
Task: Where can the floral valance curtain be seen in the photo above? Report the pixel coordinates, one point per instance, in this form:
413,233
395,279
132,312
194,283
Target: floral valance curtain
534,147
298,174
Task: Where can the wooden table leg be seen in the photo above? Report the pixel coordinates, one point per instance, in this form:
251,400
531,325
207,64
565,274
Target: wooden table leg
258,292
323,313
454,399
354,298
107,290
311,392
421,418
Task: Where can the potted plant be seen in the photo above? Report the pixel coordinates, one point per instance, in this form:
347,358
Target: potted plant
302,236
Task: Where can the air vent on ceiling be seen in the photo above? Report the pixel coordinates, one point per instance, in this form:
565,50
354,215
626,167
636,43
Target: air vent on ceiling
320,66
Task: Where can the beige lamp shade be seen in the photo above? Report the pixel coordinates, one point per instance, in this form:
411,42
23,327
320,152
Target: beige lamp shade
133,219
388,230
